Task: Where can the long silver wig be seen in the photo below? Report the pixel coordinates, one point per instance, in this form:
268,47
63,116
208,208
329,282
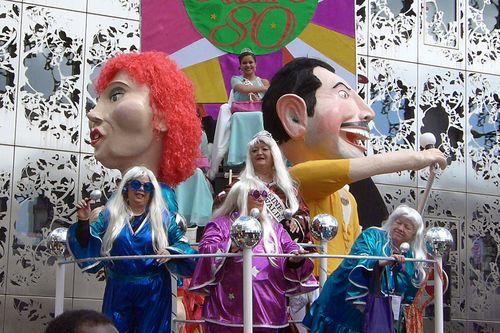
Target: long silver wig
417,242
281,175
237,201
120,211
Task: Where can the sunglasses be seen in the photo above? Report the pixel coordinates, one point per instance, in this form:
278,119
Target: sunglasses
256,194
137,185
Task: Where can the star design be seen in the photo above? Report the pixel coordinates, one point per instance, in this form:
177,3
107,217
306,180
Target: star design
231,296
255,271
273,25
213,16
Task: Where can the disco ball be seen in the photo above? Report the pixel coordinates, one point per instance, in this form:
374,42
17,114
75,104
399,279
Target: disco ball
246,231
438,241
324,227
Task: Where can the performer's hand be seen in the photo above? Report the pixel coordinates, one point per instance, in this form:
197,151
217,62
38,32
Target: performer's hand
294,226
234,248
399,260
429,157
83,212
163,252
297,259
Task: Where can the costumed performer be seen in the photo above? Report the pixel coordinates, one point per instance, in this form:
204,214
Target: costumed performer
265,164
321,124
220,279
135,221
146,115
337,308
245,87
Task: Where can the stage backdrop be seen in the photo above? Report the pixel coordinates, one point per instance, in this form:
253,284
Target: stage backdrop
204,36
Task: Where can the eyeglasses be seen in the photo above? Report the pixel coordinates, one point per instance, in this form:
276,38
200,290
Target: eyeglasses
256,194
136,185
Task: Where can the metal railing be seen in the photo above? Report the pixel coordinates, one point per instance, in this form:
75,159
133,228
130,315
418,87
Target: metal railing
247,255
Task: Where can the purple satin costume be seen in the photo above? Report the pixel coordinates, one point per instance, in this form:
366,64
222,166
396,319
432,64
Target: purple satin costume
221,280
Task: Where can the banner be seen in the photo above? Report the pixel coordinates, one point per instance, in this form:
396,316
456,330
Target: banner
201,36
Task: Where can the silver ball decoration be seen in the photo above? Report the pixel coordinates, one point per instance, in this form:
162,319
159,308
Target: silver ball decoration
95,195
181,222
246,231
438,241
324,227
56,241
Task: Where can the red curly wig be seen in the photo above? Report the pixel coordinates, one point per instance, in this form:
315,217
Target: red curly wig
172,101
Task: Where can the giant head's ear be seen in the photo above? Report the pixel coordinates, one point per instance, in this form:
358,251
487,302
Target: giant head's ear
292,111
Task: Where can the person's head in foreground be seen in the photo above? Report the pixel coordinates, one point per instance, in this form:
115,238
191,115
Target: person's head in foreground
313,113
145,115
81,321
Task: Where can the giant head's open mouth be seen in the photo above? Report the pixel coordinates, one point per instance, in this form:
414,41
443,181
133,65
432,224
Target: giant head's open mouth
355,133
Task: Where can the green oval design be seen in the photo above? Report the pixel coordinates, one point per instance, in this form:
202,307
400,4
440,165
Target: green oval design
264,26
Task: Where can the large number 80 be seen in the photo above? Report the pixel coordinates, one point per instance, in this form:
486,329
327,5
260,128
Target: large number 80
256,20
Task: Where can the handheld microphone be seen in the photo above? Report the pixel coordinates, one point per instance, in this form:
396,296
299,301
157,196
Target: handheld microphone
404,248
255,213
95,198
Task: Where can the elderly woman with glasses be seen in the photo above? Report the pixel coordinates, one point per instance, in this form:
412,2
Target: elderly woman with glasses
135,222
220,279
265,165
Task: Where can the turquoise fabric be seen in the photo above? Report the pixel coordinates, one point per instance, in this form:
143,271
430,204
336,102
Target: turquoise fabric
244,126
334,310
195,199
240,97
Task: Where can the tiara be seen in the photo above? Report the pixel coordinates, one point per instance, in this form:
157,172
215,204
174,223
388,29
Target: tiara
261,134
246,50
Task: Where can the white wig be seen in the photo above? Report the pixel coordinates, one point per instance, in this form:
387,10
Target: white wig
417,242
120,211
281,174
237,201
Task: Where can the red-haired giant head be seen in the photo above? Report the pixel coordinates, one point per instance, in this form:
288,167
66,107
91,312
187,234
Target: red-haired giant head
146,115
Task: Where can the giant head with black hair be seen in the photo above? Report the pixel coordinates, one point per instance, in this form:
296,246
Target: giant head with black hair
313,113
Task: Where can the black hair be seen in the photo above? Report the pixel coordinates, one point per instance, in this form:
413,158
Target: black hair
296,77
71,321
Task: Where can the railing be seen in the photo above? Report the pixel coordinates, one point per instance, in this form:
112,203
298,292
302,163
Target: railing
247,255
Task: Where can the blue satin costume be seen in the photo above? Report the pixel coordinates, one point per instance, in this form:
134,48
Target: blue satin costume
335,310
138,292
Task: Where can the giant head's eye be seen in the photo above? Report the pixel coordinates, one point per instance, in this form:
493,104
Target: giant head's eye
343,94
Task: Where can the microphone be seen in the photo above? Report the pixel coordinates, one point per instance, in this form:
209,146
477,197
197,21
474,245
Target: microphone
287,214
404,248
95,197
255,213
